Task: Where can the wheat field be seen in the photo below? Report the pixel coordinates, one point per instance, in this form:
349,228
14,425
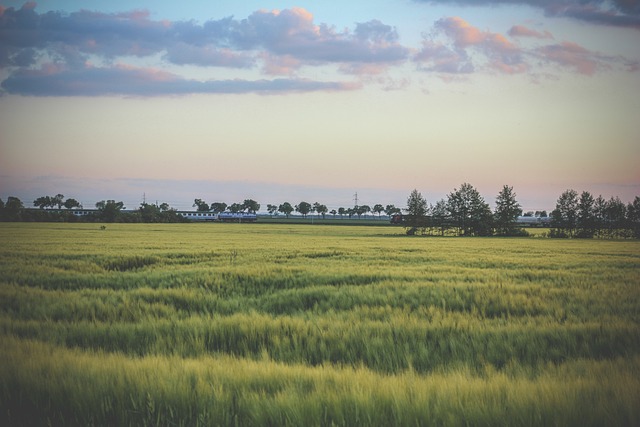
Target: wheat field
301,325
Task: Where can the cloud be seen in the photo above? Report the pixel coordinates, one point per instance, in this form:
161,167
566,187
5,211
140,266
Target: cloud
457,47
208,56
52,80
616,13
522,31
572,55
277,42
287,32
292,33
500,53
52,53
439,58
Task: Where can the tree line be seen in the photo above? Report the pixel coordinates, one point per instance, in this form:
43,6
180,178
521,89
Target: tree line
585,216
50,208
464,212
303,208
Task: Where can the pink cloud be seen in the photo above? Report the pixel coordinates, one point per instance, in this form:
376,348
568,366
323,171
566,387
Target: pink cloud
465,35
502,55
522,31
572,55
442,59
280,64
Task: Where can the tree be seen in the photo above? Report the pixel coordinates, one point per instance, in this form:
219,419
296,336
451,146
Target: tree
218,207
440,216
633,216
303,208
201,205
586,219
564,216
109,210
57,200
149,212
43,202
72,203
251,206
285,208
342,212
615,217
378,209
333,212
416,211
362,210
236,207
272,209
391,210
599,213
320,209
469,212
12,210
506,212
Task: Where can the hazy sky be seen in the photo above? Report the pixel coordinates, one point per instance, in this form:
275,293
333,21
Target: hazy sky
316,100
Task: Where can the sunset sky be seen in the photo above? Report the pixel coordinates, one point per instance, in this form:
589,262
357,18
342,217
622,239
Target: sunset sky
317,100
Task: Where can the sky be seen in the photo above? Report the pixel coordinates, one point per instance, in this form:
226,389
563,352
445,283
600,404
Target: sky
318,100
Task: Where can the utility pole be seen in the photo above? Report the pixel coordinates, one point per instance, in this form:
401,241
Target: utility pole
355,199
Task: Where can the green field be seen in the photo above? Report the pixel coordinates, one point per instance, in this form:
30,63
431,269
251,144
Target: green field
275,324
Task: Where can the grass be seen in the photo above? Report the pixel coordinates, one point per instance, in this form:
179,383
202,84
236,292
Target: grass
277,324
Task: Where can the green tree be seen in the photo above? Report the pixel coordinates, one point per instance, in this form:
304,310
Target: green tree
586,219
285,208
201,205
218,207
320,209
417,210
43,202
272,209
12,210
250,206
599,214
109,210
633,216
303,208
615,217
564,216
469,212
72,203
506,212
378,209
391,210
236,207
440,216
58,200
362,210
149,213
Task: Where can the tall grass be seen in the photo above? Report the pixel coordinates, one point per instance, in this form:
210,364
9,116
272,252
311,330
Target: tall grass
227,324
45,384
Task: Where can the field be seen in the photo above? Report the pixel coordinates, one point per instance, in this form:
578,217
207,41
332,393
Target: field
274,324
